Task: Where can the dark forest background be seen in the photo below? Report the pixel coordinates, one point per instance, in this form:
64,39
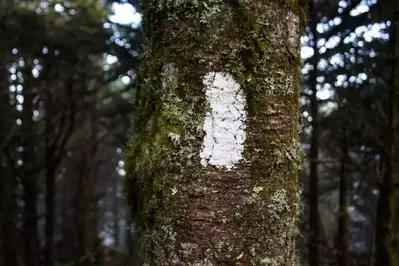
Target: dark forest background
67,87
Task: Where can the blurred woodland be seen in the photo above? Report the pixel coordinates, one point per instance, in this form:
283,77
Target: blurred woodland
67,88
66,93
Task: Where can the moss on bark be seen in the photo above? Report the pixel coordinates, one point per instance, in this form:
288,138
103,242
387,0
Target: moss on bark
189,214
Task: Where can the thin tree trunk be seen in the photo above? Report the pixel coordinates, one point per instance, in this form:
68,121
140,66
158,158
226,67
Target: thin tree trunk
87,209
29,182
343,219
49,229
31,248
8,208
54,153
372,238
50,186
80,210
214,152
115,216
314,229
90,189
8,219
129,238
387,225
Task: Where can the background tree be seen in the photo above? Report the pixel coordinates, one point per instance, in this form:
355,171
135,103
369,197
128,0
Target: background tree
55,79
352,44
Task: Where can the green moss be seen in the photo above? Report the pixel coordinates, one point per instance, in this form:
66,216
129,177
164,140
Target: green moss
167,132
300,7
161,143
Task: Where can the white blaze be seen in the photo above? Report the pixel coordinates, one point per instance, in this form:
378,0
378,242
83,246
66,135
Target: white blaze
225,122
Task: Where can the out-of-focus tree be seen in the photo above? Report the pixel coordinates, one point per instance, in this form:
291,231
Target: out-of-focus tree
354,67
55,84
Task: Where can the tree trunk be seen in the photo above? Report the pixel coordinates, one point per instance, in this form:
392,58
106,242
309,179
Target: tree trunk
50,185
29,181
314,228
49,229
343,219
8,208
129,238
87,199
115,216
387,224
90,198
214,152
8,219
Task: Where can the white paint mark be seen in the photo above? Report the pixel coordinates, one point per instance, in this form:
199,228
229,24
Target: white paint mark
225,122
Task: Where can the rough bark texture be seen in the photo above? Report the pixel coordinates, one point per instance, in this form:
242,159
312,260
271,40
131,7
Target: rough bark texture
190,212
387,224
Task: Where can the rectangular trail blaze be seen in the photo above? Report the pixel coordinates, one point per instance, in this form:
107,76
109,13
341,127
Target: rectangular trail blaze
225,122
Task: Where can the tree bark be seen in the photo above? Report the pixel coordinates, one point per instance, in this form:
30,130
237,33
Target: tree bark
214,152
387,224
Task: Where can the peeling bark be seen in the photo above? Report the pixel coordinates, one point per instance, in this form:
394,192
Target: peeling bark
236,211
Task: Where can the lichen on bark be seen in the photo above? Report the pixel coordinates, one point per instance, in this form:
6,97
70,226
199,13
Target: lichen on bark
191,214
